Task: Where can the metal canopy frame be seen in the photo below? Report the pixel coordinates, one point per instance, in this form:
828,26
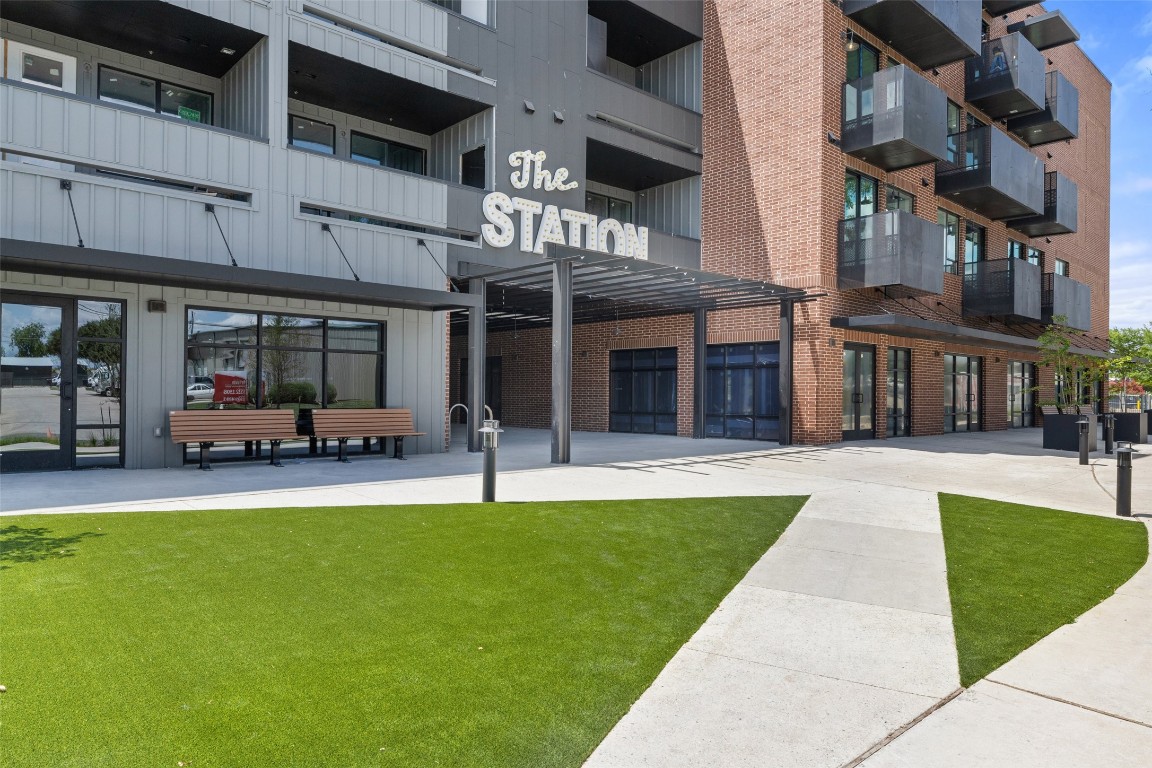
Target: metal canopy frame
574,286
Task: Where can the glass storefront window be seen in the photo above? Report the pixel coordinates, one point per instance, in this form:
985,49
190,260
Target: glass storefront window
290,331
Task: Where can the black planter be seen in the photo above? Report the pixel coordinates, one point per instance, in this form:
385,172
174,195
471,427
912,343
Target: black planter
1132,427
1062,431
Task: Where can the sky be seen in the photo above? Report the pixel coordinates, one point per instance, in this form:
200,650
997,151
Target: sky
1117,36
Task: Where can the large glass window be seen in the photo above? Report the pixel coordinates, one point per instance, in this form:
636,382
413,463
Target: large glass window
311,134
1021,393
742,393
899,200
642,391
859,195
899,392
953,130
605,207
389,154
100,360
861,62
139,92
951,224
974,238
238,360
961,393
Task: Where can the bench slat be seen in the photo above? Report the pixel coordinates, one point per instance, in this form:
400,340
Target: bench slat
221,426
364,422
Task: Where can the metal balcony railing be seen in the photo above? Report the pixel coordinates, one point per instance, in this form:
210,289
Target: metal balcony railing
1061,209
893,248
1057,121
1007,78
987,172
894,118
1008,288
1062,296
930,33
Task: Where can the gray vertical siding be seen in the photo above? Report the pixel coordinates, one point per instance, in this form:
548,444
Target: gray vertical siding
677,77
249,14
450,143
244,93
416,23
672,208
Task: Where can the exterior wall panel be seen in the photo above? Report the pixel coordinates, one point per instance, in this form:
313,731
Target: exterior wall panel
676,77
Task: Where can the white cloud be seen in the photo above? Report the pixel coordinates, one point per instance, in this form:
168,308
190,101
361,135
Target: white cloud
1133,185
1130,283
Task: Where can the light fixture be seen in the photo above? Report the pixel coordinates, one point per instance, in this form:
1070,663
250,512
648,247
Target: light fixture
228,51
850,43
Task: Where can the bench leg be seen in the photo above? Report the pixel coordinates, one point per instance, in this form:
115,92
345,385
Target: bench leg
205,457
398,441
275,454
343,452
367,444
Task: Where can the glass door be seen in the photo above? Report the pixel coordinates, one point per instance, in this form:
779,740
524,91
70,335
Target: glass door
961,393
859,400
899,396
37,383
1021,393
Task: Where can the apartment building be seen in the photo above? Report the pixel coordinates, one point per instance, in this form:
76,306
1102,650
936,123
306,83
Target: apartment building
797,222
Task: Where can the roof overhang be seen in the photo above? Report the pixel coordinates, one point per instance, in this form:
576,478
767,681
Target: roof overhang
71,261
933,330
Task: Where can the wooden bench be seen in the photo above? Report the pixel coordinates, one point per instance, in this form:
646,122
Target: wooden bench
343,423
206,427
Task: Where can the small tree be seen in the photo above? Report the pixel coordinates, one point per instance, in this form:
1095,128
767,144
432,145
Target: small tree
1076,374
1131,364
28,340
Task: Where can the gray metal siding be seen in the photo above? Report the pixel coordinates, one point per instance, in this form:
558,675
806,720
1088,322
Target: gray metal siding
249,14
416,23
677,77
244,93
449,144
673,207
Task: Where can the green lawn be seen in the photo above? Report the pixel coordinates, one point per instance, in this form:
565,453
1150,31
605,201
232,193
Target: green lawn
465,635
1016,573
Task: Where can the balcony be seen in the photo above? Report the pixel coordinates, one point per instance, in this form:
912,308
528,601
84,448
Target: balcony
1001,7
930,33
1046,31
1063,296
628,105
1005,288
1061,209
892,249
894,119
1007,78
1060,118
990,174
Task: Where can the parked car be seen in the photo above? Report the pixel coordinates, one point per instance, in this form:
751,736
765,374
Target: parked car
201,392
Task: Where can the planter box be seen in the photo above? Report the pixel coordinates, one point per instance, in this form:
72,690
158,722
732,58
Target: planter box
1132,427
1062,433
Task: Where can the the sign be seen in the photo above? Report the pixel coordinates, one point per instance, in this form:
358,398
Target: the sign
585,230
187,113
230,387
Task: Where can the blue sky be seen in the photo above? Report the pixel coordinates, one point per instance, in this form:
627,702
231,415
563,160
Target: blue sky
1117,36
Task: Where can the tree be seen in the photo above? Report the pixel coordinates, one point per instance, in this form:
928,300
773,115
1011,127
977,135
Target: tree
1076,374
28,340
1131,363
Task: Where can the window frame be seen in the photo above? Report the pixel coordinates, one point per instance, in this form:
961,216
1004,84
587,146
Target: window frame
1062,268
950,264
981,246
293,116
900,194
158,85
608,200
388,144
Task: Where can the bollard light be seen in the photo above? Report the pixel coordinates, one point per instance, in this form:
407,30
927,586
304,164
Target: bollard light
1109,431
491,436
1124,479
1083,422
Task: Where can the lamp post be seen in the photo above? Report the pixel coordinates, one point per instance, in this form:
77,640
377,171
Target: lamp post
490,433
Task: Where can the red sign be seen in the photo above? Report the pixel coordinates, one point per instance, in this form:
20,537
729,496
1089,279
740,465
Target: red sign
230,387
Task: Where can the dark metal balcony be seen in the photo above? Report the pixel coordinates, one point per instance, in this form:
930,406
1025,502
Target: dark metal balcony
1060,118
1061,209
1046,31
1007,78
894,119
929,32
893,248
1006,288
1001,7
990,174
1067,298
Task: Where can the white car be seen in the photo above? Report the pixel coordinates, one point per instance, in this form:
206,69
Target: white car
201,392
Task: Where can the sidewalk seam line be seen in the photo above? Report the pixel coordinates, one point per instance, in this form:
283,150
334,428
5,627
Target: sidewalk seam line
808,672
788,545
845,600
1071,703
901,730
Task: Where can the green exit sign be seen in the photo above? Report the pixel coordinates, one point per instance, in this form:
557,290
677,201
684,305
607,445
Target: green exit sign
187,113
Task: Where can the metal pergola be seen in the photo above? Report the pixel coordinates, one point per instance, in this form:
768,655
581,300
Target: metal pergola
573,286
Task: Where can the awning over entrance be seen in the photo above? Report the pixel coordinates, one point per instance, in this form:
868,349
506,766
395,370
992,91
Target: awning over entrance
578,286
70,261
932,330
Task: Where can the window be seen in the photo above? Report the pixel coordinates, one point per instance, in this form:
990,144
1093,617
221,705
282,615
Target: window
1034,256
311,134
974,237
642,397
899,200
953,129
472,169
951,224
859,195
1062,267
605,207
863,61
1016,250
742,392
388,154
974,140
138,92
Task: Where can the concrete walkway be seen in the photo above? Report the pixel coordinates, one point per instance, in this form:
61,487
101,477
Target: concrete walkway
835,645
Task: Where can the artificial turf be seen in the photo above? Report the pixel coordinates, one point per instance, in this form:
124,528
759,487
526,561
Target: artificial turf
1016,573
462,635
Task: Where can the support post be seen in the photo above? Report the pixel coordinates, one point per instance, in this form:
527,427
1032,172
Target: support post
477,354
699,370
1124,481
561,362
1082,423
786,310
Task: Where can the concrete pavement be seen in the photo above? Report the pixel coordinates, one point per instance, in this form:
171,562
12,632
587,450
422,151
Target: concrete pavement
836,647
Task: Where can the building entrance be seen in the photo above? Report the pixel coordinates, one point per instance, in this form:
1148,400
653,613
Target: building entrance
859,397
961,393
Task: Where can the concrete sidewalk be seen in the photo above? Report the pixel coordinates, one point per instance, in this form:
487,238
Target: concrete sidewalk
836,641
